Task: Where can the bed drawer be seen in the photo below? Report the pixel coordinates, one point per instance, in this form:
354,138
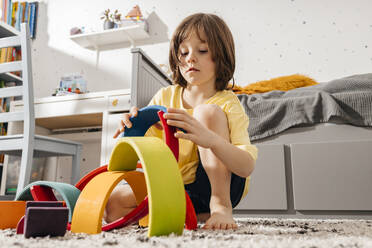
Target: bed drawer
267,187
332,176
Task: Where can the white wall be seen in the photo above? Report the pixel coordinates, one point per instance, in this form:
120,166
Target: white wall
324,39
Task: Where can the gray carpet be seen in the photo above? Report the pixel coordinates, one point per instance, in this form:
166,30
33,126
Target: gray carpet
252,232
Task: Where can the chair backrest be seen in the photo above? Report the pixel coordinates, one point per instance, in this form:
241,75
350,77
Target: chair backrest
10,37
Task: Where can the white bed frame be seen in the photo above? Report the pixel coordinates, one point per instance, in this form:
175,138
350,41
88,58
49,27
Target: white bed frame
322,171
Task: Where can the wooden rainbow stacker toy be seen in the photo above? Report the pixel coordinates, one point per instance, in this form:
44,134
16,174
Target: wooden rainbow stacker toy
163,204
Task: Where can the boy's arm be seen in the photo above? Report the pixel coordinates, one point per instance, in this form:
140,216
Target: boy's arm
238,161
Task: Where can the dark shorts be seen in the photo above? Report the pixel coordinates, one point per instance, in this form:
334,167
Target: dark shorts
200,190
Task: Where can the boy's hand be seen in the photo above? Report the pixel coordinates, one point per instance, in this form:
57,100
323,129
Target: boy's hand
125,122
196,132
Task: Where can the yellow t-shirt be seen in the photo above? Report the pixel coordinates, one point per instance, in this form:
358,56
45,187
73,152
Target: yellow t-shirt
238,121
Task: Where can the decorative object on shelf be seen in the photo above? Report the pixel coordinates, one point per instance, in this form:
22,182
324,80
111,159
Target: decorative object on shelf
117,18
133,17
71,84
108,19
75,30
135,13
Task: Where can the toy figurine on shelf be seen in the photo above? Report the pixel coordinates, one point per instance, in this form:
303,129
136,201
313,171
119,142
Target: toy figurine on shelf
135,14
133,17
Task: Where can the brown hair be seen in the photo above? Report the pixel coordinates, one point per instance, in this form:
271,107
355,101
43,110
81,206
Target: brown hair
220,43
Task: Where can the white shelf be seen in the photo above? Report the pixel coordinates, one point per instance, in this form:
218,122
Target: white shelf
7,30
10,77
116,36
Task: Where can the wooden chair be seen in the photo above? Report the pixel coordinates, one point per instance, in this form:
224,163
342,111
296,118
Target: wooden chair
28,145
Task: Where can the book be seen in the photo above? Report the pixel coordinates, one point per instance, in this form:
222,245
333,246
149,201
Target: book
2,85
17,24
34,6
9,12
9,54
35,18
13,13
26,12
23,11
29,16
3,55
3,9
14,54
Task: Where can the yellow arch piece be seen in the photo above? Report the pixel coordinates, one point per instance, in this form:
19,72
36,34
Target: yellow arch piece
166,192
89,208
166,195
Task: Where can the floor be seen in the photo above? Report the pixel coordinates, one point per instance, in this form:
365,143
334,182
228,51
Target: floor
252,232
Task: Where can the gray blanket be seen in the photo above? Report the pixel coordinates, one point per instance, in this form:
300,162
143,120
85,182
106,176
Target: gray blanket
348,100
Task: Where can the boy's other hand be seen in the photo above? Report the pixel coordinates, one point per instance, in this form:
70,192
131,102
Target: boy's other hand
125,122
195,130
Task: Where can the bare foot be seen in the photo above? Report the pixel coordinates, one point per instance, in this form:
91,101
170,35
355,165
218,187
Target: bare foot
203,217
221,220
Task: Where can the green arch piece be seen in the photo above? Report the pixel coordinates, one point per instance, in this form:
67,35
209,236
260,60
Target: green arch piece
69,193
166,192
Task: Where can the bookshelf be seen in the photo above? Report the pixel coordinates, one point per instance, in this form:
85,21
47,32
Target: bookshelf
5,79
8,31
118,37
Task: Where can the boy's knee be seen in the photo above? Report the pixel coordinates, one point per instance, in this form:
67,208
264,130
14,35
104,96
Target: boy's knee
121,197
111,206
209,113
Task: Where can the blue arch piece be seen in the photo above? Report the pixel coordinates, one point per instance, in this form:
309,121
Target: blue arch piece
146,117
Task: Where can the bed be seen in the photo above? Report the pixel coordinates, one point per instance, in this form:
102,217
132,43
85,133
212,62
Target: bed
322,169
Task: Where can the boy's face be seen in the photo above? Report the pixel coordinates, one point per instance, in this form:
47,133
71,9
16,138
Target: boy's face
197,66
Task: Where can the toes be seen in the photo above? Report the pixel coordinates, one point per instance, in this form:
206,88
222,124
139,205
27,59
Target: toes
234,226
220,226
206,227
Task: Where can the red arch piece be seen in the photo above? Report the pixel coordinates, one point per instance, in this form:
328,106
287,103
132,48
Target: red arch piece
138,213
82,182
169,131
21,225
42,193
191,222
172,142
